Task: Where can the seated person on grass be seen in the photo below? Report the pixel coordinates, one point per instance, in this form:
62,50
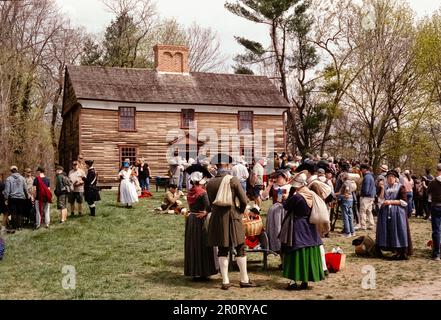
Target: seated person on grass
171,203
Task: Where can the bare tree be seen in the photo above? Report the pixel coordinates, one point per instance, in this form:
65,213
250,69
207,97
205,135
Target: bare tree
140,22
30,46
64,48
381,96
205,51
334,27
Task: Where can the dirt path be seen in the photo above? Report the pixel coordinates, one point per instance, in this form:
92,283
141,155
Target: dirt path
423,291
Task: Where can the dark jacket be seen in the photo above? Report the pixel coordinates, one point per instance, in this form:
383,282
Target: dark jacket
91,191
368,188
435,191
62,184
225,228
296,231
144,173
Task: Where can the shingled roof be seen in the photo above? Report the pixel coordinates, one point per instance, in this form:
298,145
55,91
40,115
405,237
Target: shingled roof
148,86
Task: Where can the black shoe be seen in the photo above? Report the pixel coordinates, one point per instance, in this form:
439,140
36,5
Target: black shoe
226,286
292,287
326,273
303,286
403,257
250,284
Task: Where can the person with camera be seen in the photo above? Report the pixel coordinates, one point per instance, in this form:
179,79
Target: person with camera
277,190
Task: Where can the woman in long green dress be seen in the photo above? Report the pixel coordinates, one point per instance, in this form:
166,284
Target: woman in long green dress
300,239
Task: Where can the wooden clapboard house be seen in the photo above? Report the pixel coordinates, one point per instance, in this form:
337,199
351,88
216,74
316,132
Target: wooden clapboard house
114,113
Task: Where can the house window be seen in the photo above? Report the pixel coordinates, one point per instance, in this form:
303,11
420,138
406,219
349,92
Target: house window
187,118
248,153
245,120
128,152
127,119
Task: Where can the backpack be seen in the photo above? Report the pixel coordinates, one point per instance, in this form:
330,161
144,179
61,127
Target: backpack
67,184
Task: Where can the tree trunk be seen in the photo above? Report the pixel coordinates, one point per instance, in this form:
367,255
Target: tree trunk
54,121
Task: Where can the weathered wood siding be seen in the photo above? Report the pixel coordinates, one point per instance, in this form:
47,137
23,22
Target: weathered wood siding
101,140
69,144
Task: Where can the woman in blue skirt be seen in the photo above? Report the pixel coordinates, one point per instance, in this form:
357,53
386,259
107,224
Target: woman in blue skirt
393,233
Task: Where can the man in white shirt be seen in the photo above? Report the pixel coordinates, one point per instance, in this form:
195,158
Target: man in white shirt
77,195
257,181
241,172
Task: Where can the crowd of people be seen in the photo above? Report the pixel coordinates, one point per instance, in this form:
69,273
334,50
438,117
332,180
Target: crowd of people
26,200
221,189
294,184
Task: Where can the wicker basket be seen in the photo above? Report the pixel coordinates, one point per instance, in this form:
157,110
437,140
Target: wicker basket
253,227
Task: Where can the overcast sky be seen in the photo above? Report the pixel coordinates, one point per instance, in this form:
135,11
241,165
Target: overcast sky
93,15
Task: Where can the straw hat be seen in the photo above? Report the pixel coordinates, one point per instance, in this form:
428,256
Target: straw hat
300,179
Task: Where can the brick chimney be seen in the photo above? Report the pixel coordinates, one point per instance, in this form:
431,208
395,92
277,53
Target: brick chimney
171,59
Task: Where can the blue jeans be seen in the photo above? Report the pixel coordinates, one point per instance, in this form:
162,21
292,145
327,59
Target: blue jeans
244,186
436,231
348,223
409,204
143,184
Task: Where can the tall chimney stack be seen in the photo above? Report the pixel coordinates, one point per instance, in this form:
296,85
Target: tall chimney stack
171,59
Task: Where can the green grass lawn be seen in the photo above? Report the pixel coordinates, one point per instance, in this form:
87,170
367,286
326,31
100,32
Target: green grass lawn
137,254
